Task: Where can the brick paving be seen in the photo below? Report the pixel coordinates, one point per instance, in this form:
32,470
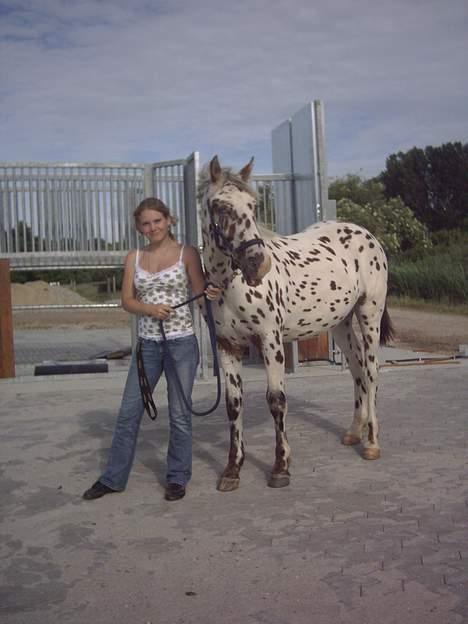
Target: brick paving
348,541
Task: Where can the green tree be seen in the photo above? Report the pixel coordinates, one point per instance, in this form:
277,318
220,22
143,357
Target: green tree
391,222
433,182
357,190
363,202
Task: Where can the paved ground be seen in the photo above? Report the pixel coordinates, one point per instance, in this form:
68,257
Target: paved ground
35,346
348,541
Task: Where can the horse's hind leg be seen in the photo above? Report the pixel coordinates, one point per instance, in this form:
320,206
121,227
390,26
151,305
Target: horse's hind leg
232,367
352,350
369,317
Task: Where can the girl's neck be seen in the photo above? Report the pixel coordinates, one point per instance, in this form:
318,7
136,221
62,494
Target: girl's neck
163,245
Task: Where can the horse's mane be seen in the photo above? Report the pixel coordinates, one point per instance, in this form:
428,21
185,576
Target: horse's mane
204,180
265,231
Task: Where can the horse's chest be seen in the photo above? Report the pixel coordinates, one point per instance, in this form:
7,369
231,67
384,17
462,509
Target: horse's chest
242,316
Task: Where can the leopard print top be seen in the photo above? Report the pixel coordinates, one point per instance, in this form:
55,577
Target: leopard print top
169,286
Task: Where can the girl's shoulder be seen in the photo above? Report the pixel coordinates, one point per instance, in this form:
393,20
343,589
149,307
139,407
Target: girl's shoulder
190,253
130,258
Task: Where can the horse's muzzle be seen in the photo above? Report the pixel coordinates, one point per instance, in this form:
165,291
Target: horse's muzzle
254,266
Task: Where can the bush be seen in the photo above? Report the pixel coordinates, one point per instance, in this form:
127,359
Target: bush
391,222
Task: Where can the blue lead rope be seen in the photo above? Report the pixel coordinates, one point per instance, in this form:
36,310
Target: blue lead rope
145,388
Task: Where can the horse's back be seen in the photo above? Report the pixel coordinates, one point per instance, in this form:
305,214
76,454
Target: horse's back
326,270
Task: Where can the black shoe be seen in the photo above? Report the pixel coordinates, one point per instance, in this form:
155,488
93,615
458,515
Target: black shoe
174,491
97,490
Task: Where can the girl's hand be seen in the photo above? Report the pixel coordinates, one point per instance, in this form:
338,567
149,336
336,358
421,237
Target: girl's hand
212,292
161,311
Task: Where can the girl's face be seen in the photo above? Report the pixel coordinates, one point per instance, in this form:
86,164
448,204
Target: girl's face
153,225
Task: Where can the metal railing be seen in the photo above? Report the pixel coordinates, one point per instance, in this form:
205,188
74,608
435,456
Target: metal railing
76,216
272,188
68,207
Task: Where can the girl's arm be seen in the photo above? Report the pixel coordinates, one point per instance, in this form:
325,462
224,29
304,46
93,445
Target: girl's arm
129,301
196,277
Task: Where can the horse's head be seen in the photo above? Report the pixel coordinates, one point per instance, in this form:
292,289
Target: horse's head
229,205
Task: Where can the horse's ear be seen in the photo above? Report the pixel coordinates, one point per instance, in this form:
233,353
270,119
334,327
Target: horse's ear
215,169
246,171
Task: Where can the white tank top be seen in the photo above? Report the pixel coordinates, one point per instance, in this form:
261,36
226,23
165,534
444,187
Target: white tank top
170,287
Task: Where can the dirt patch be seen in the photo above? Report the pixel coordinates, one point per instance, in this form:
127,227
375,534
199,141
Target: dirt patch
101,318
40,293
429,331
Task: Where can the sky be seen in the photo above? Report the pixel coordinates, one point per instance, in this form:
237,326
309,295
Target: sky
143,81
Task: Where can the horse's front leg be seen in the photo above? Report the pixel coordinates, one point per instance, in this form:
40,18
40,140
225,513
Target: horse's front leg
232,366
273,356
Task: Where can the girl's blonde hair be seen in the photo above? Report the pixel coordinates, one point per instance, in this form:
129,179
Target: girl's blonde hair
153,203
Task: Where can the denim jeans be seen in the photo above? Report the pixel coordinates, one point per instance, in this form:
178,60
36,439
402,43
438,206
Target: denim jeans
185,354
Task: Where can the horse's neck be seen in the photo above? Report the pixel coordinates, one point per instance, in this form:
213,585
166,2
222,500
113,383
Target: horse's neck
217,265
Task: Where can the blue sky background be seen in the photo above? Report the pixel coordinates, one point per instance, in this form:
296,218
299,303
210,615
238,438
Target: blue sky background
142,81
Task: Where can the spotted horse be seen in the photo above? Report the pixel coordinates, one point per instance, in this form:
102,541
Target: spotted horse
282,288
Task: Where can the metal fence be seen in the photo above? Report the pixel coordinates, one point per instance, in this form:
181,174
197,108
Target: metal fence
68,207
272,188
63,215
76,216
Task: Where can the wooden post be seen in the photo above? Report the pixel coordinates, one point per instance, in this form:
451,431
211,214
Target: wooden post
7,351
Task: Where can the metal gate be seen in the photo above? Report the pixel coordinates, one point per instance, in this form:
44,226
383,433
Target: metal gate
79,216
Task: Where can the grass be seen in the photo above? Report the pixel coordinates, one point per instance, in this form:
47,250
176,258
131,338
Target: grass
440,277
441,307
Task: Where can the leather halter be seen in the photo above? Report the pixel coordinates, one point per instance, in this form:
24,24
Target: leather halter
225,245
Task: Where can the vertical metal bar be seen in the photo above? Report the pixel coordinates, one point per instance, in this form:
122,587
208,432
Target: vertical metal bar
71,211
120,224
78,207
98,183
111,208
84,224
129,206
87,190
23,196
105,197
54,201
92,198
15,210
148,181
181,201
64,211
62,208
32,210
321,175
73,208
40,205
51,217
54,233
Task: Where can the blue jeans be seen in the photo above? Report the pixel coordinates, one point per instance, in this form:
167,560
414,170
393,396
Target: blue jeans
185,354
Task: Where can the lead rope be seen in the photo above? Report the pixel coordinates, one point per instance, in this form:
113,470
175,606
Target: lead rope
145,388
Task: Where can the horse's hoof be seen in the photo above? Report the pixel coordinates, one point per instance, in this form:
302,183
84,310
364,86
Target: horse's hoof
349,439
370,453
279,480
228,484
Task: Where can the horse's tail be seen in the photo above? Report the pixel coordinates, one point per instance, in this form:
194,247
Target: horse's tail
387,330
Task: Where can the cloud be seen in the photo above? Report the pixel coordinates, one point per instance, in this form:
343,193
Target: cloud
110,81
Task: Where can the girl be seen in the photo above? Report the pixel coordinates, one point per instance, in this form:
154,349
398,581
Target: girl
156,278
